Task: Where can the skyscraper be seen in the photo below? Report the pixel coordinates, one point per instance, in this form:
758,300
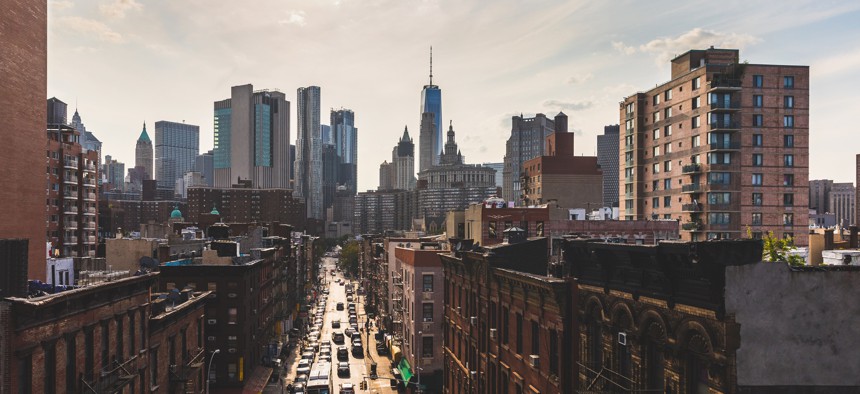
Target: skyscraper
345,138
403,162
309,166
842,203
57,111
114,173
527,141
425,141
325,135
331,163
431,102
88,140
607,158
143,154
723,147
205,165
819,192
252,138
176,149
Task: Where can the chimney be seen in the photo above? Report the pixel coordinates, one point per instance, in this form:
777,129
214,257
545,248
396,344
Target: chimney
853,241
828,239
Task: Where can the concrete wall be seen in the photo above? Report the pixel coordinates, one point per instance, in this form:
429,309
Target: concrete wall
124,253
797,328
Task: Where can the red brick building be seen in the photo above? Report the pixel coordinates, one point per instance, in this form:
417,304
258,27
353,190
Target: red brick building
509,328
177,357
571,181
244,205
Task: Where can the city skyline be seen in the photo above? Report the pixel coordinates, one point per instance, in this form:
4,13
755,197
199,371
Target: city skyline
574,65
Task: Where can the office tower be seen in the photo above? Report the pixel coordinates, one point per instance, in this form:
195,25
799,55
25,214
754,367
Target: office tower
345,138
308,185
607,158
431,102
114,172
330,163
143,154
87,139
403,163
527,140
857,195
842,203
252,138
500,168
57,111
723,147
176,149
819,195
292,166
325,135
205,165
386,176
425,141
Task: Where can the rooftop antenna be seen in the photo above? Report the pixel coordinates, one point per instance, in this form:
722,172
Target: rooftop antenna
431,65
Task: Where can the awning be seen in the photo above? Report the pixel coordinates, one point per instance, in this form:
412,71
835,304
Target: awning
405,369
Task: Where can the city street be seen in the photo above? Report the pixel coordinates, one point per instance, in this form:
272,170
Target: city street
359,367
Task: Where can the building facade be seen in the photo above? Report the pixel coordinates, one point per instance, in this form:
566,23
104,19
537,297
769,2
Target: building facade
819,195
431,143
331,164
345,139
386,176
426,145
309,168
527,141
252,138
88,140
380,211
842,199
205,165
403,163
245,205
722,147
176,149
571,181
607,158
143,154
500,170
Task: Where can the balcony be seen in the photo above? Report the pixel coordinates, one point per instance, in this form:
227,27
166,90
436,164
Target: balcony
70,240
71,164
691,188
90,240
70,225
193,361
628,179
692,226
70,210
629,115
691,169
733,105
90,225
112,379
72,180
89,168
733,125
721,207
90,211
90,196
691,208
724,84
71,195
628,148
725,146
89,181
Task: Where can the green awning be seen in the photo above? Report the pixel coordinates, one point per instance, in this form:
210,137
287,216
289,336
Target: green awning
405,369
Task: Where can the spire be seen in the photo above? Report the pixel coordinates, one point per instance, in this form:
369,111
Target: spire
143,136
405,134
431,65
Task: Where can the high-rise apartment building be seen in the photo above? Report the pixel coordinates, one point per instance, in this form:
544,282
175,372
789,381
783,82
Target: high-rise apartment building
819,195
205,165
23,88
252,138
857,195
431,102
72,209
114,174
527,141
386,176
403,163
330,163
607,158
176,149
722,147
344,136
143,154
309,168
842,200
425,141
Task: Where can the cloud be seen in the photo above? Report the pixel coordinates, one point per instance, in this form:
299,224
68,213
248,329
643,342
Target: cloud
666,48
568,105
579,79
61,4
91,27
116,9
295,18
837,64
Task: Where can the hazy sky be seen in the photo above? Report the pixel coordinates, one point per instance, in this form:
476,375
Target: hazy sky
125,61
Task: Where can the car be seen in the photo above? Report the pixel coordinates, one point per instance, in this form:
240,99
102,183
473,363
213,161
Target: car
300,379
356,340
349,331
349,298
340,306
315,345
381,349
337,337
347,388
304,367
325,291
343,369
342,353
353,319
357,350
308,356
335,324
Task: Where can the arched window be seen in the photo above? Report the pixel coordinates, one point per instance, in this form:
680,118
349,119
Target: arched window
653,340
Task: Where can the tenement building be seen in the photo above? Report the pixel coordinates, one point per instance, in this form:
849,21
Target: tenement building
571,181
509,328
243,204
722,147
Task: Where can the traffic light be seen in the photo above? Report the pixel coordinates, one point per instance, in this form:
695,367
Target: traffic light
362,385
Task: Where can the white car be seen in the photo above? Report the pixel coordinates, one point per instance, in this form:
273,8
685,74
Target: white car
347,388
304,367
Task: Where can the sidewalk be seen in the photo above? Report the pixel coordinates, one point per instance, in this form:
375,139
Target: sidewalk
382,384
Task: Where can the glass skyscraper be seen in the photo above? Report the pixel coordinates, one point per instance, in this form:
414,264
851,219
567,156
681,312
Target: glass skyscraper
176,149
431,101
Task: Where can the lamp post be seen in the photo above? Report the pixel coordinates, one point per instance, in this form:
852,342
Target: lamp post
209,369
418,367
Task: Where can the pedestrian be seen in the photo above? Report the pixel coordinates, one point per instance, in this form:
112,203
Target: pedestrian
290,388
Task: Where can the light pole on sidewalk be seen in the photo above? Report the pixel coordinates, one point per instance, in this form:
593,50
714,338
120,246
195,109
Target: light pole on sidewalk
209,369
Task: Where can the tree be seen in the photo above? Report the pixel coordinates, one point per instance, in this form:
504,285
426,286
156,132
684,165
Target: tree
349,255
776,249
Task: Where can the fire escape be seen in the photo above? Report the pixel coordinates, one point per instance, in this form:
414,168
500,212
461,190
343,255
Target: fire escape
182,376
112,379
397,307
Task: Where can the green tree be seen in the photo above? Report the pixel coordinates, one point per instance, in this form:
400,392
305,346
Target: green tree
349,256
777,249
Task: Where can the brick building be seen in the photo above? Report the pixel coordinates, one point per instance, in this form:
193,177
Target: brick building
509,328
177,356
571,181
23,88
721,147
243,204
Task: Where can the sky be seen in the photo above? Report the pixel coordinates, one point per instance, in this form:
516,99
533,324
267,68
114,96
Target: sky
125,62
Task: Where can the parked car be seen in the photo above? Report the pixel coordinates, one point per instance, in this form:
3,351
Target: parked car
304,367
343,369
338,337
335,324
381,349
347,388
349,331
342,353
357,350
340,306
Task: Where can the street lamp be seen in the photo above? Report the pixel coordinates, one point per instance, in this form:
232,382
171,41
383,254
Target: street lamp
209,369
418,367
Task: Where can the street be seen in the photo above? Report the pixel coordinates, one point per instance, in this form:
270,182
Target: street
359,367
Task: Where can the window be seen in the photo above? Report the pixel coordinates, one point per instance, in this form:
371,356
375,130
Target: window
25,374
519,333
655,202
788,141
667,113
667,184
696,122
667,131
427,311
90,356
788,179
697,102
667,95
719,218
655,185
656,168
788,199
788,160
656,99
506,325
656,116
131,328
656,134
667,148
50,371
667,201
758,100
719,198
758,120
491,230
427,347
71,362
756,219
153,368
232,315
696,141
757,159
788,82
656,151
553,352
756,199
788,219
667,166
756,140
428,283
695,159
788,121
757,179
788,101
758,81
105,345
697,82
719,158
535,338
